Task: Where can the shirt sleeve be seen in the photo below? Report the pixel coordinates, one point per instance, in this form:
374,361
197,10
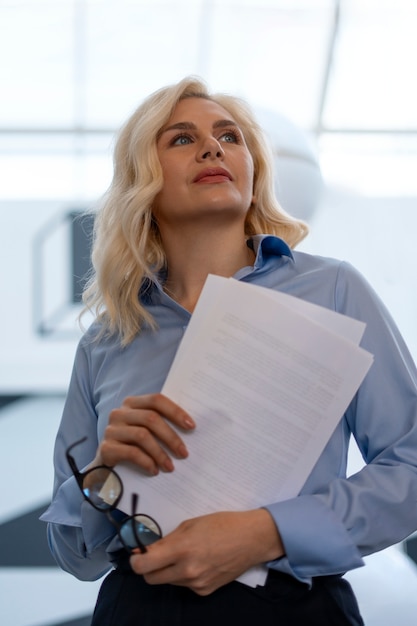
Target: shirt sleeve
328,530
77,534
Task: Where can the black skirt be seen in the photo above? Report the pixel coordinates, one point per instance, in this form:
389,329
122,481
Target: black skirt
125,599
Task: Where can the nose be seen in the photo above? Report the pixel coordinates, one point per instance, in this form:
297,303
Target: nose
210,149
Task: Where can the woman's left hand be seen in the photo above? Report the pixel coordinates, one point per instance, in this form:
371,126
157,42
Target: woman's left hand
205,553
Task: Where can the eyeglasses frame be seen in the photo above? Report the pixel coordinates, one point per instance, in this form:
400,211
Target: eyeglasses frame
80,476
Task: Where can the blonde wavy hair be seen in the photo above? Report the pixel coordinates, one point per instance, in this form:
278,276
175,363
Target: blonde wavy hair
127,249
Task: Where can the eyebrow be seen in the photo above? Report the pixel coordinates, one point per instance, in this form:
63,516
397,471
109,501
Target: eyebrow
191,126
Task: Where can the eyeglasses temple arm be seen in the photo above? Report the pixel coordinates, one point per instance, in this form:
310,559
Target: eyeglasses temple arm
71,462
134,505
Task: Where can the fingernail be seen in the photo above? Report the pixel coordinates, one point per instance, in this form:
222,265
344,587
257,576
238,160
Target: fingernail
168,465
189,423
182,451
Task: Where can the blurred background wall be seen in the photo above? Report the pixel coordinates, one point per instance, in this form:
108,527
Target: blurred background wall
333,83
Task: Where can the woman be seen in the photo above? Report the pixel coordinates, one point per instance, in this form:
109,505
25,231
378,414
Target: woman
192,194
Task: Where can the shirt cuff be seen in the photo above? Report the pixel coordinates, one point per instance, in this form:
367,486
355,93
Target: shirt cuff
69,508
316,542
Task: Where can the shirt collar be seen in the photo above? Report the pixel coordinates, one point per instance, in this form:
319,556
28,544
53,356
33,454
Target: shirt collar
264,246
268,245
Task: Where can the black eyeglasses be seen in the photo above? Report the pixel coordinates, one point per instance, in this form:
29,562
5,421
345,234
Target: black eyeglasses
102,487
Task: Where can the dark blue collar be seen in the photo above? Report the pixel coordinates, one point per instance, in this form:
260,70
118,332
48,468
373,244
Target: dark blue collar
268,245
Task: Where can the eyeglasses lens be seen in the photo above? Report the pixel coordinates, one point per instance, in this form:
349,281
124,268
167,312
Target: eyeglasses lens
142,527
102,487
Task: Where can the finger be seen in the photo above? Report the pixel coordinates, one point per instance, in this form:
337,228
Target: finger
114,452
159,564
164,406
148,430
162,572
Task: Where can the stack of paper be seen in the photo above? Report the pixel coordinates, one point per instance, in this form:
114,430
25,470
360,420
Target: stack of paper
266,377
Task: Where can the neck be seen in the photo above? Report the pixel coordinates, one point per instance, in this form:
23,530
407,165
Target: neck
191,256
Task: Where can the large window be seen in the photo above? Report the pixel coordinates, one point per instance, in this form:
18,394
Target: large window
73,70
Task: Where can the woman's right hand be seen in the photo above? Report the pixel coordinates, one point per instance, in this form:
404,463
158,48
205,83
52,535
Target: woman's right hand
140,431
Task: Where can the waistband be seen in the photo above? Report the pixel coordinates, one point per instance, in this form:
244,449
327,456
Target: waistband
121,562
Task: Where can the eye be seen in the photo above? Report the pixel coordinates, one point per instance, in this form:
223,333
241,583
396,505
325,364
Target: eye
230,136
181,140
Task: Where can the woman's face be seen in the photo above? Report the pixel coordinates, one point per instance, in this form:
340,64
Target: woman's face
207,167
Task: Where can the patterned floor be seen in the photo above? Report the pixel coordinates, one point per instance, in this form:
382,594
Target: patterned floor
386,587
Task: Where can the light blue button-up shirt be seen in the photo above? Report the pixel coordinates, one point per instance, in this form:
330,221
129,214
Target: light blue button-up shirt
335,520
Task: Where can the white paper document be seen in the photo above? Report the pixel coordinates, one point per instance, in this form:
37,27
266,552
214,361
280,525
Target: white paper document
266,377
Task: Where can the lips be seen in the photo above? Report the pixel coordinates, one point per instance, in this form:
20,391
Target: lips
212,175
